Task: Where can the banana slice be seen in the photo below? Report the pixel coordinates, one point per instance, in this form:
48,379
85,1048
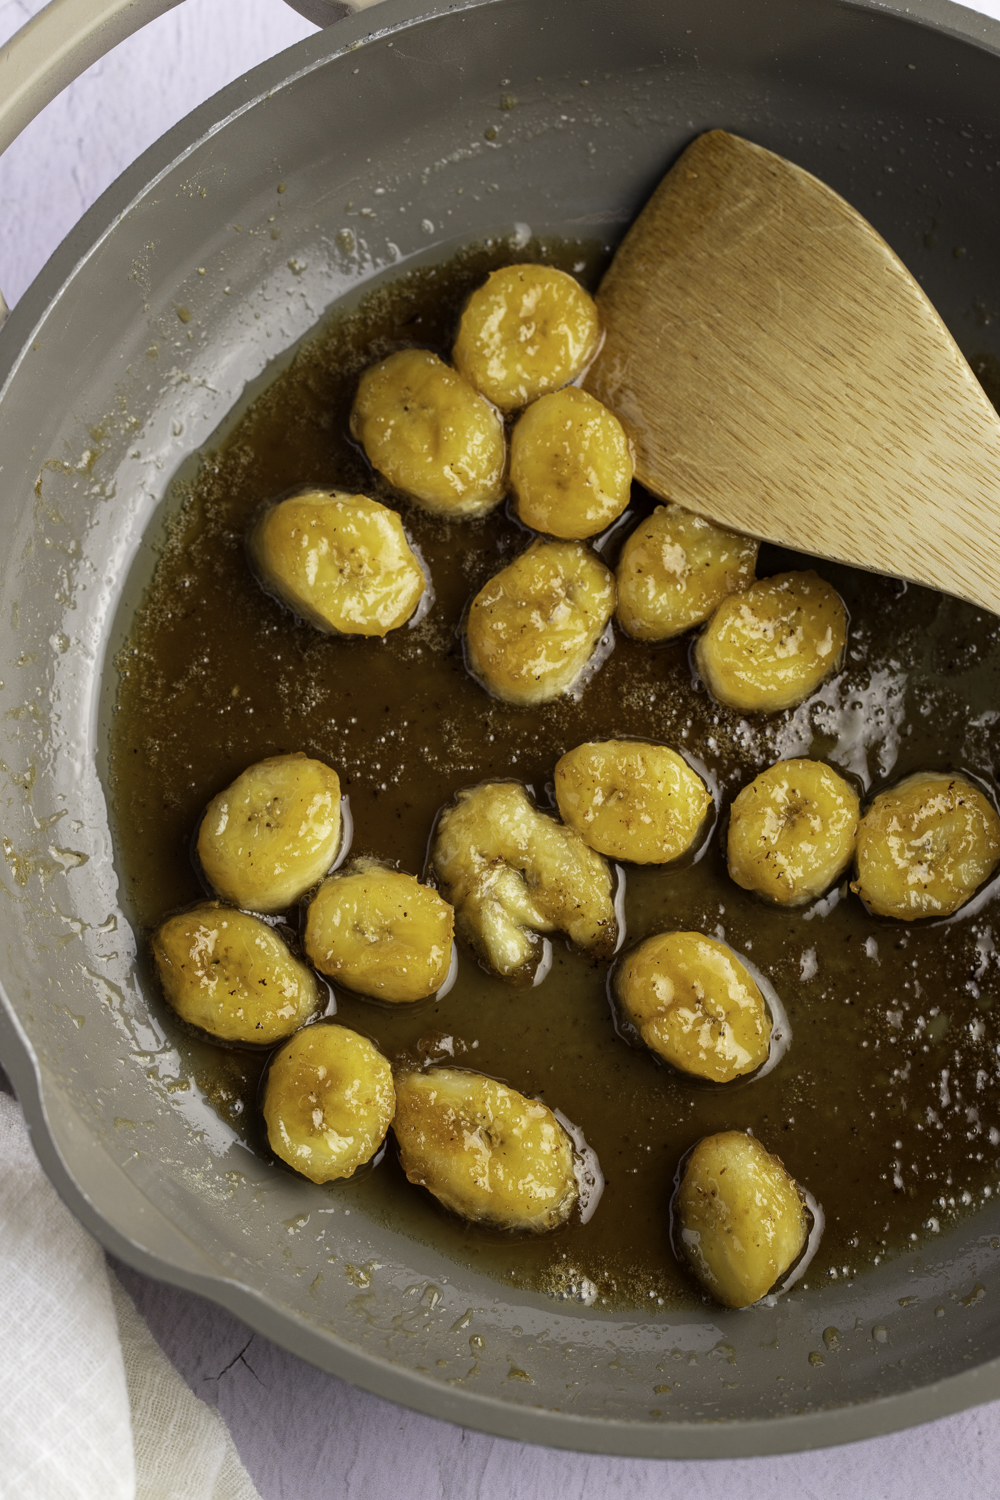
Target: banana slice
231,975
792,831
641,803
533,628
269,837
512,872
695,1005
431,434
380,932
741,1218
676,569
925,846
772,645
527,331
340,561
570,465
328,1102
484,1150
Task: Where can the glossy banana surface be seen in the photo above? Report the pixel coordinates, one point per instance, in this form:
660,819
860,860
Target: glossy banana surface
630,801
274,833
484,1150
340,561
527,331
925,846
676,569
231,975
695,1004
570,465
740,1218
792,831
533,629
431,434
512,872
328,1102
380,932
769,647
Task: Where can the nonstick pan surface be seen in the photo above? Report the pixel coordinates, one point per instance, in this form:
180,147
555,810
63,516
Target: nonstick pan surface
169,300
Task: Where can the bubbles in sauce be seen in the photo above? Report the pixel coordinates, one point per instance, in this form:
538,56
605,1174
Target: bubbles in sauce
886,1105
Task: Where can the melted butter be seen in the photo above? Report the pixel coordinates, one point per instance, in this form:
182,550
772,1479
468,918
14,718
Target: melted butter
886,1105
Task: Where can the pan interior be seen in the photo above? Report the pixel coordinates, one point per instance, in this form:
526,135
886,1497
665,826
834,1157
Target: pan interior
227,245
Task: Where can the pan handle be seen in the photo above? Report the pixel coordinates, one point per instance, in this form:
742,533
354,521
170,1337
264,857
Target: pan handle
62,40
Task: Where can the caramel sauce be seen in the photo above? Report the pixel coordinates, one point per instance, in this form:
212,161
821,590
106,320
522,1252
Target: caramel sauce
885,1105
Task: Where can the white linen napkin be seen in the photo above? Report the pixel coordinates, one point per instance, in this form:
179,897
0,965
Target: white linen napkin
90,1407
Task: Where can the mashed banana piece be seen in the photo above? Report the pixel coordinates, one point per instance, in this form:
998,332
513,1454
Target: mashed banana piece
328,1101
431,434
380,932
771,646
641,803
231,975
675,569
570,465
741,1218
512,872
340,561
533,628
695,1005
484,1150
792,831
269,837
527,331
925,846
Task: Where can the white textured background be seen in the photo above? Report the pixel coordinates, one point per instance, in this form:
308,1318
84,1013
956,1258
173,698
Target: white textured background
301,1434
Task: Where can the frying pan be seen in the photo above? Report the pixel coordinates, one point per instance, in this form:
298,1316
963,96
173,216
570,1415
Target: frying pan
169,302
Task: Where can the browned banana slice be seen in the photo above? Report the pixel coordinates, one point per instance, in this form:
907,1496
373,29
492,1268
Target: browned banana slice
641,803
675,570
792,831
527,331
269,837
533,629
431,434
328,1102
484,1150
380,932
695,1004
925,846
740,1217
231,975
570,465
772,645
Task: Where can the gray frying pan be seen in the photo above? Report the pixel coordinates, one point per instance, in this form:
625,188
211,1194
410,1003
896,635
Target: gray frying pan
900,113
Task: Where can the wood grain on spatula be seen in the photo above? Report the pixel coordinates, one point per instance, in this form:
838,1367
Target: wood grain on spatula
780,371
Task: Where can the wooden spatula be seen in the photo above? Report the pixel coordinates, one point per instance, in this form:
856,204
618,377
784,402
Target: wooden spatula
780,372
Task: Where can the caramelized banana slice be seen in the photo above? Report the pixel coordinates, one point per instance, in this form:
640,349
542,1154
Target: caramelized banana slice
792,831
431,434
570,465
340,561
328,1102
380,932
484,1150
925,846
511,872
695,1005
676,569
533,628
269,837
641,803
231,975
741,1218
528,330
772,645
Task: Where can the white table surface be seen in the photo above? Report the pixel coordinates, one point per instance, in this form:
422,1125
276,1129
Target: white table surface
304,1435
